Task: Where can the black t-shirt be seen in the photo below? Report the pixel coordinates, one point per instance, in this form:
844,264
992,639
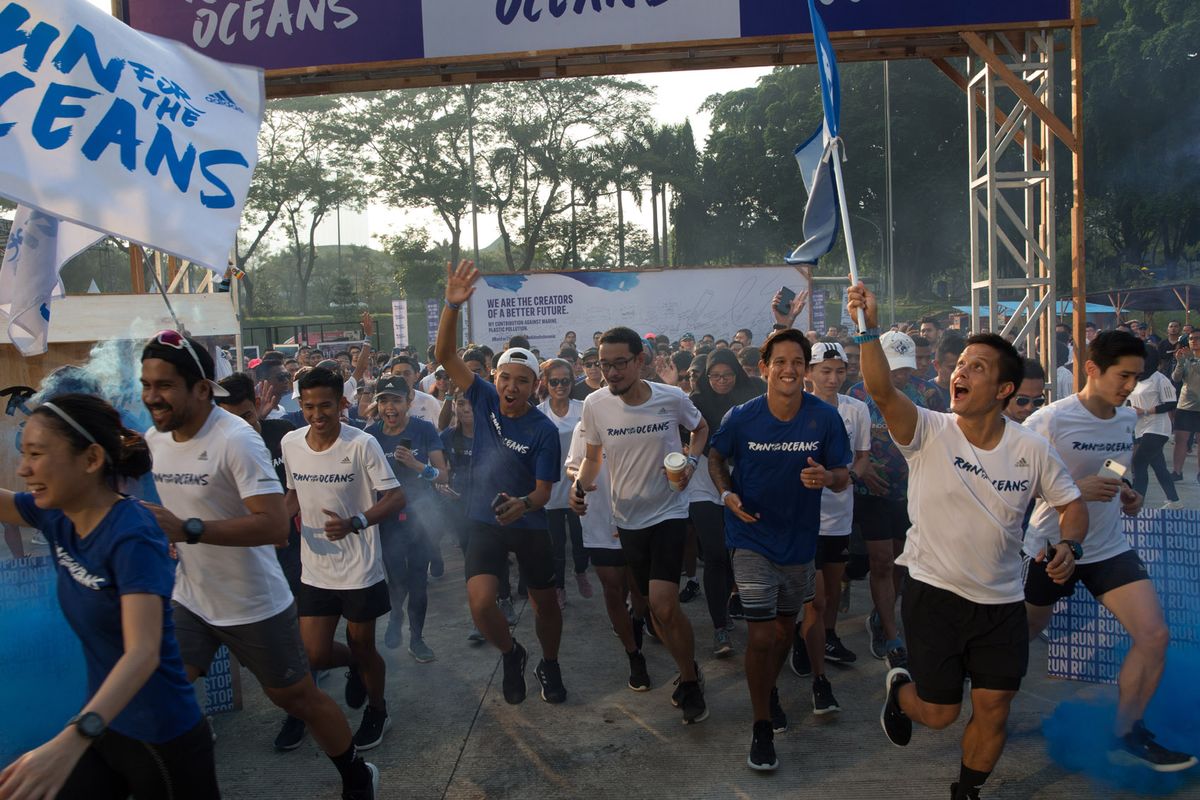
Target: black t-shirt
581,390
273,431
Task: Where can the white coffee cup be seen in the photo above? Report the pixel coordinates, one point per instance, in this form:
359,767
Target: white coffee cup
676,466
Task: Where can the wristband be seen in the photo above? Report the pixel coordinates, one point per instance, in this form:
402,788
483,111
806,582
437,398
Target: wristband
528,504
869,335
430,473
725,494
693,461
455,306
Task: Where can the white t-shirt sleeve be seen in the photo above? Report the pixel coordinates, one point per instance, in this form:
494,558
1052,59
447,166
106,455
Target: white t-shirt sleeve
577,450
249,463
375,463
1055,485
929,424
1041,422
862,428
689,415
591,430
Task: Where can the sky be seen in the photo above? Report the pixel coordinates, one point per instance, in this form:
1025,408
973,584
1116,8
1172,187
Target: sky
678,98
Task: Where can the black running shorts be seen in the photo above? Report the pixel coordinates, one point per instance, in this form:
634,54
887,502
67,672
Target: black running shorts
606,556
655,553
271,648
489,545
1099,578
356,605
881,519
832,550
950,637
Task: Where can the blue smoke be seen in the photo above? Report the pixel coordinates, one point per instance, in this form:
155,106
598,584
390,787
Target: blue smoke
1078,734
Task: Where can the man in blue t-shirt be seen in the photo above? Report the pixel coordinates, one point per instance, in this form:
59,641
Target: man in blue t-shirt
786,447
516,460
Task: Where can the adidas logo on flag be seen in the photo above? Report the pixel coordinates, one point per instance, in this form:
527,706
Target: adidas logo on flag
346,460
1021,462
203,456
222,98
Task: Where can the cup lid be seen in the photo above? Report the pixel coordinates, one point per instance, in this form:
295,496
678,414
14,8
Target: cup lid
675,461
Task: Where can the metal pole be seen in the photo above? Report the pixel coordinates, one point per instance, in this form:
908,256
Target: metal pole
836,155
1078,272
887,155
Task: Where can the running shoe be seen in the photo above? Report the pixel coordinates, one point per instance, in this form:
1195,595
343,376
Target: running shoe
722,646
393,636
778,717
677,695
1139,748
356,692
735,607
799,660
762,748
897,657
475,636
972,794
549,675
692,702
823,700
421,652
375,723
368,792
875,631
585,586
1177,476
562,598
514,674
1173,505
509,611
837,652
291,734
437,567
894,721
639,677
691,590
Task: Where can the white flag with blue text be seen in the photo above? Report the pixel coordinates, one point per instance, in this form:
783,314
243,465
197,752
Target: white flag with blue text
38,246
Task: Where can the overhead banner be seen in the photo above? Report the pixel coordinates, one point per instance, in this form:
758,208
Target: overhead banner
128,134
543,306
1087,643
289,34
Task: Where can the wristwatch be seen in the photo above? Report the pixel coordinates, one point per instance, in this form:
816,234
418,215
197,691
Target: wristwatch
358,522
90,725
1076,548
193,529
528,504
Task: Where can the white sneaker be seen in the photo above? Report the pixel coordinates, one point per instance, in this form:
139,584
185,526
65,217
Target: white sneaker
1173,505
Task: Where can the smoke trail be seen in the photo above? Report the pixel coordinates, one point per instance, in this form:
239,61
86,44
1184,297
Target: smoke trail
1078,734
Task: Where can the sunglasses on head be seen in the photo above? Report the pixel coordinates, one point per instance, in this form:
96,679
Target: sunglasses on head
1023,401
178,341
559,381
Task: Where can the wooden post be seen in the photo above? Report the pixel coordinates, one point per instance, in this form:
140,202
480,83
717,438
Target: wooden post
137,272
1078,269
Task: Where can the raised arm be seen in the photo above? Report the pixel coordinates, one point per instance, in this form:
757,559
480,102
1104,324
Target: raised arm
898,411
364,355
460,285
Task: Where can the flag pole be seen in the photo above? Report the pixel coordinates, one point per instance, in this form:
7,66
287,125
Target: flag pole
836,155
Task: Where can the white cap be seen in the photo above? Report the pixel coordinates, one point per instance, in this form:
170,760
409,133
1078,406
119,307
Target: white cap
519,355
823,351
900,351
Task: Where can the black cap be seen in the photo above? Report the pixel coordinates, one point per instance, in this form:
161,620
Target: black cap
392,385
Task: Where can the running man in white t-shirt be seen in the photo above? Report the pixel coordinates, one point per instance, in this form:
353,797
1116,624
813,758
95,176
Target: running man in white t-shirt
1089,429
817,640
632,427
972,474
335,473
223,508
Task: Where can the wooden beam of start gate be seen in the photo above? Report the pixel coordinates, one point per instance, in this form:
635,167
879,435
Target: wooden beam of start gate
960,81
1022,90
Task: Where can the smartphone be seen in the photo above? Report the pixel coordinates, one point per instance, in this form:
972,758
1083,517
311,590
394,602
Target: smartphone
406,443
786,296
498,501
1112,469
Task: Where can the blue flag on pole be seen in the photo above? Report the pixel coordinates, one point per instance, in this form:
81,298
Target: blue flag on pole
815,158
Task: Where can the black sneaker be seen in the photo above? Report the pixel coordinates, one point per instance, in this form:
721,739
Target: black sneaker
648,624
677,695
1138,748
437,567
370,788
1177,476
691,590
875,631
734,607
762,748
356,690
972,794
692,702
375,723
549,675
837,652
823,700
799,660
778,718
897,657
514,674
290,734
639,677
895,722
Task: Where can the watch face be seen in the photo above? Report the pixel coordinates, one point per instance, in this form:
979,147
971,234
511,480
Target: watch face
193,527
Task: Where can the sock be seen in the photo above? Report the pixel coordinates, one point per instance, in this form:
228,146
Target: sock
549,660
349,766
969,780
830,634
892,644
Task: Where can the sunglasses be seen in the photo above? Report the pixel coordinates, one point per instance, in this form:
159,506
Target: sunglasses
176,340
559,381
591,364
1023,401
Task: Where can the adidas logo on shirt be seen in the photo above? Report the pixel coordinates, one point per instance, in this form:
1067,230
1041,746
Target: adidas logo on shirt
346,460
663,411
203,456
1021,462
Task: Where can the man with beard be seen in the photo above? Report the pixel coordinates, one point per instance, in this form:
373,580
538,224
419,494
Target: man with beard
516,462
632,427
223,508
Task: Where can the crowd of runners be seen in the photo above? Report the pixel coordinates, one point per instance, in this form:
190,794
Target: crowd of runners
310,491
